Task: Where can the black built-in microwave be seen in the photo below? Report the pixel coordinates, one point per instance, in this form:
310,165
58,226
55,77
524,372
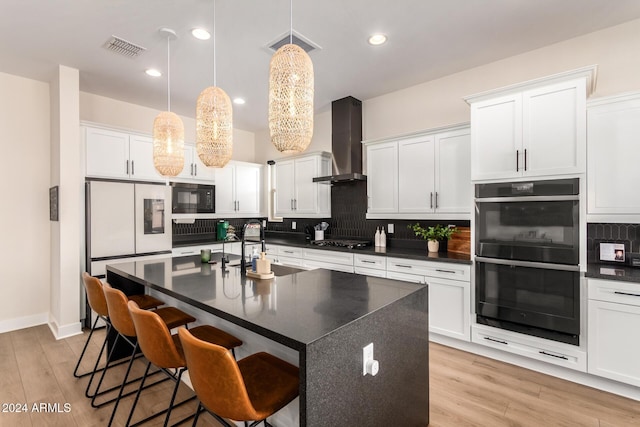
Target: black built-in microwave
190,198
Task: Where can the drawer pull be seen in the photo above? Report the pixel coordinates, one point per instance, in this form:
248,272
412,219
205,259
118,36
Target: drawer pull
553,355
367,261
445,271
288,252
626,293
404,266
495,340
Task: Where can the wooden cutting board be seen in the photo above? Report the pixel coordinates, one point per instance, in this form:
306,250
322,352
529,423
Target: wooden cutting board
460,242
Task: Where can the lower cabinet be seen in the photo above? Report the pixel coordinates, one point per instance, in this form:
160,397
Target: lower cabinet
449,293
332,260
613,320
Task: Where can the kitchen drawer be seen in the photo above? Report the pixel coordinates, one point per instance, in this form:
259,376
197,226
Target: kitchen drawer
405,277
614,291
195,249
289,251
290,261
370,262
331,257
367,271
428,268
311,264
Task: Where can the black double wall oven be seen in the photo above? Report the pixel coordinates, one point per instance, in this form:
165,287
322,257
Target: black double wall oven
527,258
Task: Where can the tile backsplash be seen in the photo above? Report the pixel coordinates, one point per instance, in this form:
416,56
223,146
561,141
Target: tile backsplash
628,234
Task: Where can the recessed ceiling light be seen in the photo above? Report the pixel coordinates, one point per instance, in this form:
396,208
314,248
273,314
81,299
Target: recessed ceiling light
153,72
239,101
377,39
200,34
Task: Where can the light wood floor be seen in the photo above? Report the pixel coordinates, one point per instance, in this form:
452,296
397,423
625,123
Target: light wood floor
465,390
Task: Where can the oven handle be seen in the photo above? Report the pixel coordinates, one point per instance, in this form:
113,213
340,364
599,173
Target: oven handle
528,199
531,264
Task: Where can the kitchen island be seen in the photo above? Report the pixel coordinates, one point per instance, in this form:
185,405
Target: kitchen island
327,317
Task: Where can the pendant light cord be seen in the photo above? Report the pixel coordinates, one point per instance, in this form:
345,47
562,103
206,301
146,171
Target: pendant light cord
290,21
169,73
214,42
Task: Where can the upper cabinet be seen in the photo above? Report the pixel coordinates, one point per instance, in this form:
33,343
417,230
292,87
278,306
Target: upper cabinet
119,155
425,175
533,129
194,169
613,152
238,189
297,196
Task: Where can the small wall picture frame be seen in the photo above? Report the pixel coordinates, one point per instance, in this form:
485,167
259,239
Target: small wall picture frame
53,203
612,252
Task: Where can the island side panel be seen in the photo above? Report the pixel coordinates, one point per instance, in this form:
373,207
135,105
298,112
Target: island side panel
338,394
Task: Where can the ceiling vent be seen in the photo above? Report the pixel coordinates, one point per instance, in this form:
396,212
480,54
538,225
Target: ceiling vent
298,39
123,47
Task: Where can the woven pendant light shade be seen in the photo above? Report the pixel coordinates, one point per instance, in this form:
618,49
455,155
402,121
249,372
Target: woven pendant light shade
214,127
168,144
291,99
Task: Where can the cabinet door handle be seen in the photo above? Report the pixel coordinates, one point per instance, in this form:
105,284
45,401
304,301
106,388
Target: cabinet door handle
291,203
127,167
525,159
553,355
629,294
133,167
495,340
238,203
195,169
191,169
431,200
403,266
436,200
517,160
446,271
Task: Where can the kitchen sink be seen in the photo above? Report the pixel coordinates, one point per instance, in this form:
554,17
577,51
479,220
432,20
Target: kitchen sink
279,270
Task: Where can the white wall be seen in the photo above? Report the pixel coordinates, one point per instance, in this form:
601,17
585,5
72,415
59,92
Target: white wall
24,216
133,117
67,234
439,102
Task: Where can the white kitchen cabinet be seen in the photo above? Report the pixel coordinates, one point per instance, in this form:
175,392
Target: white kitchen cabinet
331,260
533,129
194,169
449,293
119,155
382,178
297,196
370,265
421,176
612,134
238,189
614,311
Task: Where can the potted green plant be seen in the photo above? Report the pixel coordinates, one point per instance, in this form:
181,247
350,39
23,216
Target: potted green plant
433,235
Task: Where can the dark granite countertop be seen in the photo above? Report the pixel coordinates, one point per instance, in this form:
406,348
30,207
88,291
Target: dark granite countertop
293,309
613,272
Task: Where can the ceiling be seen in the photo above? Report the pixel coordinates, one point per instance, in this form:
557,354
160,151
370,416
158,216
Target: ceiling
427,39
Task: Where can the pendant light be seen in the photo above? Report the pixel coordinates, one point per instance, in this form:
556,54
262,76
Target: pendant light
214,120
168,129
291,97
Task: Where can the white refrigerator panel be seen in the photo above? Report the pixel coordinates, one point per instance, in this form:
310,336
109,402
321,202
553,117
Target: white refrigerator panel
112,219
153,218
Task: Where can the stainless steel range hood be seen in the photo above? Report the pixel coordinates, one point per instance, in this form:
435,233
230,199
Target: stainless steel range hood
346,141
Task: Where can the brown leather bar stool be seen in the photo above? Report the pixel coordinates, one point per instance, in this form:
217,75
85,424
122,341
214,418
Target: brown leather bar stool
122,322
98,303
253,388
165,351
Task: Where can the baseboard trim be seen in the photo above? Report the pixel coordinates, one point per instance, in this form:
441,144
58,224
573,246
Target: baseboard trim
65,331
23,322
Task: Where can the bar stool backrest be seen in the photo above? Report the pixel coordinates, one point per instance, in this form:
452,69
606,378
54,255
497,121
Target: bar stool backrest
119,311
95,294
216,378
155,338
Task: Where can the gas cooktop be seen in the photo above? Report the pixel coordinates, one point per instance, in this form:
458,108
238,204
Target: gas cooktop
343,243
